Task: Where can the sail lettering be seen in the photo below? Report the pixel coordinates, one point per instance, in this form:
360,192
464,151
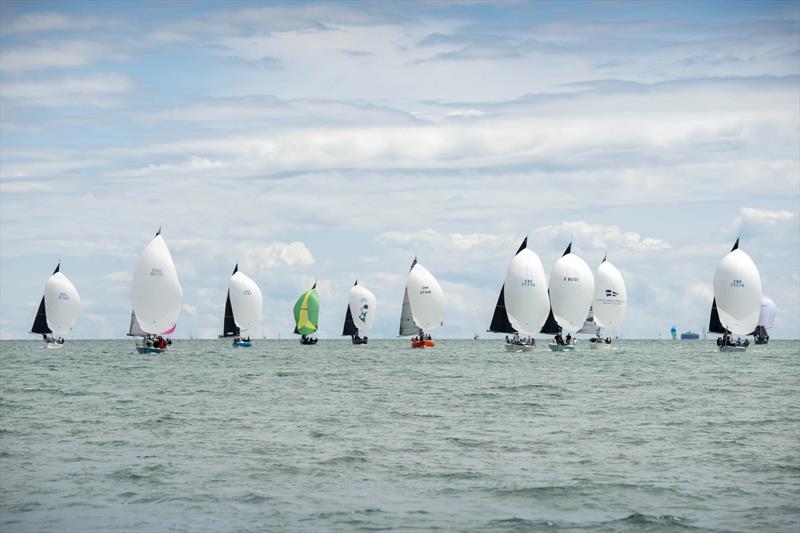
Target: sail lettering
569,278
528,283
737,284
156,272
425,290
63,296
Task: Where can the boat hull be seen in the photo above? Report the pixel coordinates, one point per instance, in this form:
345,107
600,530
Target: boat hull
423,344
761,342
517,348
150,349
308,342
561,347
732,348
359,341
242,344
53,345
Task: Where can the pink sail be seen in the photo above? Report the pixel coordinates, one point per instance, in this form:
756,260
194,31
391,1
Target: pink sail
170,330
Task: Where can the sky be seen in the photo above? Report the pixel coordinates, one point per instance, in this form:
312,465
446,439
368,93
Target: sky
331,142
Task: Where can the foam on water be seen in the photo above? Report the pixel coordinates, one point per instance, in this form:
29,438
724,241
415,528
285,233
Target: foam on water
652,436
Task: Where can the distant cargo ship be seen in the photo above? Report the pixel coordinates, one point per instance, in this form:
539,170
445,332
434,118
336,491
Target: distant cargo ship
690,336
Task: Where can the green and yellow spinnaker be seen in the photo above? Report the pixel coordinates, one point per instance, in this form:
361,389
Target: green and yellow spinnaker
306,312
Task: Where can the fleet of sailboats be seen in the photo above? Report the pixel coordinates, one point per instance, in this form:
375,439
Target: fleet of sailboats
360,313
572,300
423,306
737,299
157,297
58,310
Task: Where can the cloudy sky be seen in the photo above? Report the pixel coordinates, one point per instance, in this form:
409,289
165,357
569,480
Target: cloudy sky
333,141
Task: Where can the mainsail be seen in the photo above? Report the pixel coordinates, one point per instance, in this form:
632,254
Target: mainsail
589,327
500,322
40,322
134,330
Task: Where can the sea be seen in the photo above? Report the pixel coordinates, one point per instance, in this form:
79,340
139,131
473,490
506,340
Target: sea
646,436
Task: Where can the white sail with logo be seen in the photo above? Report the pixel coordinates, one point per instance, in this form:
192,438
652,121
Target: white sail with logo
62,302
525,291
571,290
426,300
737,292
362,303
610,297
766,317
246,302
157,293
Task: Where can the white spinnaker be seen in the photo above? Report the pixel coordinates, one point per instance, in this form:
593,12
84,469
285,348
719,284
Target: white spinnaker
768,310
525,293
62,304
157,293
610,297
426,298
737,290
571,291
246,302
362,307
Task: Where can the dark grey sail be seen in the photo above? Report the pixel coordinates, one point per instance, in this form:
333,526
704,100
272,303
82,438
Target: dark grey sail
40,322
500,322
349,327
229,327
550,327
407,325
714,324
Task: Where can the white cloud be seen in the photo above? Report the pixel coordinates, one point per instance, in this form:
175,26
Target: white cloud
43,55
93,90
752,215
600,237
189,309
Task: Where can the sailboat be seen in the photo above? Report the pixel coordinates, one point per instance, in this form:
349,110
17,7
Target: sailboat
423,306
609,302
58,310
737,299
766,319
156,296
306,315
525,298
360,313
242,309
674,332
571,292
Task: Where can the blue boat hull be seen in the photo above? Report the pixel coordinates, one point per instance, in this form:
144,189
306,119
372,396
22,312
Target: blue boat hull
242,344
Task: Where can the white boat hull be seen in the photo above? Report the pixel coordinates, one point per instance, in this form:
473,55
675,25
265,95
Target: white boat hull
518,347
561,347
53,345
732,348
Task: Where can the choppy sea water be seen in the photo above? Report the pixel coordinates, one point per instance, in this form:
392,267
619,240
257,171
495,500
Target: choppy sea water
650,436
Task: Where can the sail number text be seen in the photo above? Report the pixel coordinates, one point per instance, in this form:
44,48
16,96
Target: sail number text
737,284
528,283
424,290
156,272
